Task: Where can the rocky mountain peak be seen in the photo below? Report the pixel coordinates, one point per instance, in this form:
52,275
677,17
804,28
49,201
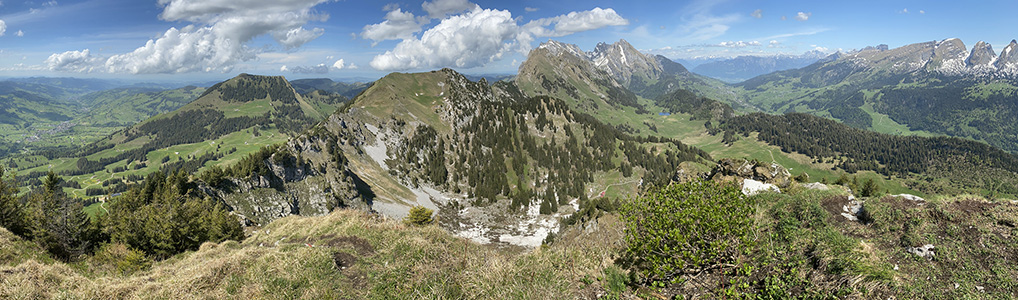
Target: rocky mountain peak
622,61
557,48
982,54
1008,59
949,54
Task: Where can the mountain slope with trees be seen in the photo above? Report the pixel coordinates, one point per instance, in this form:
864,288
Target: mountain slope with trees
932,87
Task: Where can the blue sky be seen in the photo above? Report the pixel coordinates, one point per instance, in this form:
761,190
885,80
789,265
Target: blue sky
216,39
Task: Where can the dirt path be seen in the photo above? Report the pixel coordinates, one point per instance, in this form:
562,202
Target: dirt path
603,192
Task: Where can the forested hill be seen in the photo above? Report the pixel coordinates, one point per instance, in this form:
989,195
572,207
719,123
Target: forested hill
485,147
932,87
966,162
226,122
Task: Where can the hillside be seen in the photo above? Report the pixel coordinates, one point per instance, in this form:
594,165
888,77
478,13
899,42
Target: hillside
348,90
28,111
55,114
806,247
491,160
611,76
223,124
126,106
926,88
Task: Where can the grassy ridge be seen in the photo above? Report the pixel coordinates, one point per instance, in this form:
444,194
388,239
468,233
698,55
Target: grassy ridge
804,247
355,256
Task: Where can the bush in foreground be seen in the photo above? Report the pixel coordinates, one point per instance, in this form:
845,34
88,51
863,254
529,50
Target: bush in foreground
419,216
686,229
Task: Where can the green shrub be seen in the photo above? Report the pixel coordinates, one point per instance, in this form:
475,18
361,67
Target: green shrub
419,216
120,259
686,227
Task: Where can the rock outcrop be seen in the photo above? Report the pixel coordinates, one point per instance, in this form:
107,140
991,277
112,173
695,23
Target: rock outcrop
771,173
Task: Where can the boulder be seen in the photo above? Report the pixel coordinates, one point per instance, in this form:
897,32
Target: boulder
752,187
771,173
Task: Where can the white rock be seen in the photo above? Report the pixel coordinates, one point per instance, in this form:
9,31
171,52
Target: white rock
925,251
752,187
911,197
816,186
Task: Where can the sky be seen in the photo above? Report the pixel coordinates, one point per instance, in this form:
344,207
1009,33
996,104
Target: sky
194,40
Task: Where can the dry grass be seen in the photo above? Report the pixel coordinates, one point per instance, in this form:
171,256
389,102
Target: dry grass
344,255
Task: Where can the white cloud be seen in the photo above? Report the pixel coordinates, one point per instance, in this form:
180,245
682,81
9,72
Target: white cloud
217,38
20,33
463,41
531,9
3,27
397,25
574,22
922,12
481,36
773,44
75,61
801,16
784,18
339,64
739,44
904,11
51,3
440,8
283,68
757,13
821,49
297,37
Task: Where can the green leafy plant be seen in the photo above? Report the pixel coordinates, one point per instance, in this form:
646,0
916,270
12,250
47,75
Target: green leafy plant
686,228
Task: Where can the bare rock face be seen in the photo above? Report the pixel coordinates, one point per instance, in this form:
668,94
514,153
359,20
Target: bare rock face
982,54
1008,60
949,55
623,61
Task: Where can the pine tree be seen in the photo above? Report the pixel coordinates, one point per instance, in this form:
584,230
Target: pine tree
58,223
12,214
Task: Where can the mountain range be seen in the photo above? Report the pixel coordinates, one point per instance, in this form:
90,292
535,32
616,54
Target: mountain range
557,159
740,68
926,88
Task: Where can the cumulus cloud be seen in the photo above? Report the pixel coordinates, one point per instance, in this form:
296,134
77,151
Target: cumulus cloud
757,13
215,41
3,27
397,25
574,22
531,9
922,12
464,41
76,61
773,44
340,64
801,16
480,36
440,8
